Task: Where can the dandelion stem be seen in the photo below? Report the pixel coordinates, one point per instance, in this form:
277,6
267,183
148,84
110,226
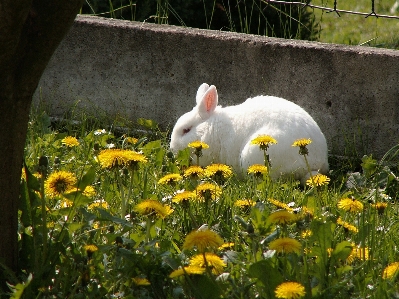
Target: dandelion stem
312,179
44,218
122,193
192,216
148,229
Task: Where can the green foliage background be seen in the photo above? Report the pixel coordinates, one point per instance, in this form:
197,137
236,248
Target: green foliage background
248,16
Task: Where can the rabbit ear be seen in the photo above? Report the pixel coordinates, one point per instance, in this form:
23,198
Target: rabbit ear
208,102
201,90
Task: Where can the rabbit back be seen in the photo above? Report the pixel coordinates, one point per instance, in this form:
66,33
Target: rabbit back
280,119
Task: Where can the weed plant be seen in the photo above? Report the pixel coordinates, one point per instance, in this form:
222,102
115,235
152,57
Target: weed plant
97,221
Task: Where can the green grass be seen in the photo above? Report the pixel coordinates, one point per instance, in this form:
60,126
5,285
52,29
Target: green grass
344,29
329,259
358,30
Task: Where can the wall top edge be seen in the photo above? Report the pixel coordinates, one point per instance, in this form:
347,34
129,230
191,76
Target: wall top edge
226,35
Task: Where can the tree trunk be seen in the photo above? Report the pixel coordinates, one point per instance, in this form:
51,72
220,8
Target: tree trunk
30,31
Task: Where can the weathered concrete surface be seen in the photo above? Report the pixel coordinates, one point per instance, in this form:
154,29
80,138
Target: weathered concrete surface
153,71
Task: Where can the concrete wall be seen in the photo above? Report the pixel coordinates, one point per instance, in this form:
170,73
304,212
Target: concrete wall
153,71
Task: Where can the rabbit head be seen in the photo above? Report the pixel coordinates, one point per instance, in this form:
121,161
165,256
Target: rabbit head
194,125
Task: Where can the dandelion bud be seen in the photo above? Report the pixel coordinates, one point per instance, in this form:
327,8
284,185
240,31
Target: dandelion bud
43,165
119,241
250,229
43,162
57,160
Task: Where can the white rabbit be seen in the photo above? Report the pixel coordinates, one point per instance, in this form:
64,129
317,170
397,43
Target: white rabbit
228,131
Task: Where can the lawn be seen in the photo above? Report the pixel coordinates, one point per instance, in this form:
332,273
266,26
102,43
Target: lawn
108,212
357,30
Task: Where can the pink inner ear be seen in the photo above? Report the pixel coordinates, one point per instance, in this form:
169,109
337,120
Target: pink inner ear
210,99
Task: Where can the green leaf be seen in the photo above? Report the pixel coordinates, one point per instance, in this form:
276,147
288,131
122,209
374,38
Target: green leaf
267,273
105,215
152,147
342,251
323,233
72,227
155,148
183,157
18,289
343,270
87,216
87,179
369,165
205,288
27,252
159,156
78,198
147,123
25,206
33,182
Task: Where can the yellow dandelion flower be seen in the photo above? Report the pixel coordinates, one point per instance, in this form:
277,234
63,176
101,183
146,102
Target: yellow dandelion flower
202,240
302,144
280,204
307,212
290,290
285,245
153,207
226,245
380,207
189,270
347,226
170,179
330,251
244,203
218,170
198,145
98,204
66,203
23,174
114,158
96,224
70,141
208,191
131,140
318,180
37,175
90,248
184,196
264,141
350,205
391,271
360,253
210,260
59,182
194,172
257,170
140,281
89,191
281,217
306,234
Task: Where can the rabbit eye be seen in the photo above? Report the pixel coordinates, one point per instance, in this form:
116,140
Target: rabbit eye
185,131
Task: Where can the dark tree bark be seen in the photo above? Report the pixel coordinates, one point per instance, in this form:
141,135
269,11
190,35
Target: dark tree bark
30,31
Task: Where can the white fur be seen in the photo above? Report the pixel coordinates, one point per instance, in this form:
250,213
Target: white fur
228,132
